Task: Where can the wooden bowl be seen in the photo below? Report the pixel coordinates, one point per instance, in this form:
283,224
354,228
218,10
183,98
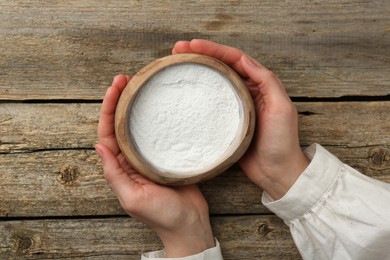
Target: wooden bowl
129,148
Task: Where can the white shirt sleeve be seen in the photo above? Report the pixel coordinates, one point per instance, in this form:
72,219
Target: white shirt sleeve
335,212
209,254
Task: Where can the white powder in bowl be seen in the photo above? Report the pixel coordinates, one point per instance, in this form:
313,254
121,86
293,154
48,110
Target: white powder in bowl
185,119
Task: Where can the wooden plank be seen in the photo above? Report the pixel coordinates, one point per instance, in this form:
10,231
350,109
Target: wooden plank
55,183
243,237
71,183
62,50
48,167
30,127
347,124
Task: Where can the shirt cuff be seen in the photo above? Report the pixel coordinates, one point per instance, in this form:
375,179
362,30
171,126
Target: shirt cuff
310,187
213,253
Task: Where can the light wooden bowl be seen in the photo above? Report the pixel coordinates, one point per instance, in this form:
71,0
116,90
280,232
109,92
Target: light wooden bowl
129,94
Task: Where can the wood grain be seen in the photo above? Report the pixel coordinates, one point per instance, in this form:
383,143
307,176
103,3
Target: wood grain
49,168
66,53
72,49
245,237
31,127
71,183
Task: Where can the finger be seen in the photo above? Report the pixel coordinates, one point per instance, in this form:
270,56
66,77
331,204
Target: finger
128,78
181,47
229,55
120,81
106,129
226,54
120,181
269,85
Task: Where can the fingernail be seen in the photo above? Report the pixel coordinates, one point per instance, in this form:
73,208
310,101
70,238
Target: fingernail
250,62
116,77
100,152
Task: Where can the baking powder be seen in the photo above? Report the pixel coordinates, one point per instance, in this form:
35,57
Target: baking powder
185,118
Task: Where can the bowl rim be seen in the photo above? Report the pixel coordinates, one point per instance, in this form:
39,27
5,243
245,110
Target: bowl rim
129,94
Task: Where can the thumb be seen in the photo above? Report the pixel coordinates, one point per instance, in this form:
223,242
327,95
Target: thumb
268,84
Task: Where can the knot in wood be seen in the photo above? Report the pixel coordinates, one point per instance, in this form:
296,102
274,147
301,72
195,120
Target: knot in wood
379,156
68,175
264,230
23,244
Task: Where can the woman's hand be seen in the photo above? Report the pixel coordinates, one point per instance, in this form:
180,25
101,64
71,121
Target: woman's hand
275,159
178,215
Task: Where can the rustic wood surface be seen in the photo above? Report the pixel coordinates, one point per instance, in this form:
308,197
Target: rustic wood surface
49,147
125,238
58,58
70,183
72,49
27,127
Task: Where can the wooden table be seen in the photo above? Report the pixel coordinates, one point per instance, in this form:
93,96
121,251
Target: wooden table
58,57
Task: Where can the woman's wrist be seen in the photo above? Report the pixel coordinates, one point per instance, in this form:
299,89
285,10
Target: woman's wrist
188,244
278,180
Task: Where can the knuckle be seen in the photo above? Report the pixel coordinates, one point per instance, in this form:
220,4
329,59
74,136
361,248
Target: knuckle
268,75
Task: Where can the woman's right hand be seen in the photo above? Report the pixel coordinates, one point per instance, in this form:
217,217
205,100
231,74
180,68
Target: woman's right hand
275,160
179,215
